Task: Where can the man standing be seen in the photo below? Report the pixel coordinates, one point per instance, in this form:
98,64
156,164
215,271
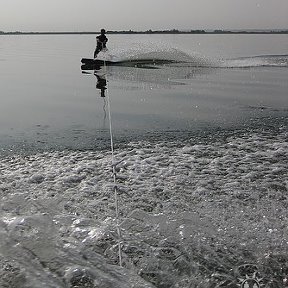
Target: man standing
101,42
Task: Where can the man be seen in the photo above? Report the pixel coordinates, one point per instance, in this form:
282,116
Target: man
101,42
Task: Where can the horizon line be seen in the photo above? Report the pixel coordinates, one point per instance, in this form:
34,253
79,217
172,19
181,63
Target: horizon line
150,31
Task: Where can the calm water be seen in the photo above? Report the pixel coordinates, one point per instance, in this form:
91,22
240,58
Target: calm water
202,173
47,102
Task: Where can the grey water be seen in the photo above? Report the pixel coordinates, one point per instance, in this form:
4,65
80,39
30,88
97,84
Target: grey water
202,151
47,102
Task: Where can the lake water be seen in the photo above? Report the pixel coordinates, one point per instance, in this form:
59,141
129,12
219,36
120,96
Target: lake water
201,152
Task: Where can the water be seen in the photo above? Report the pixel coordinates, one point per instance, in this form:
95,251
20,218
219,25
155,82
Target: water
202,172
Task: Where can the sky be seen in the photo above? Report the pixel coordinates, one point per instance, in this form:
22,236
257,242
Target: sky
141,15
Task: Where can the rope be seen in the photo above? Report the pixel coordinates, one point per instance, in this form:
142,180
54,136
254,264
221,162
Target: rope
116,202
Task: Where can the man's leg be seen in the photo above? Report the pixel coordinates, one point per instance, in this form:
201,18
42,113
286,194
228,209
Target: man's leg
97,50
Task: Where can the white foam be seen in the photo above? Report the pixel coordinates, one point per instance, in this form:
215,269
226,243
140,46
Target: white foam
257,61
174,199
157,51
164,51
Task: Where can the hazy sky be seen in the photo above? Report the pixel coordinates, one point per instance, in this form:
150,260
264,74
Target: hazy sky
91,15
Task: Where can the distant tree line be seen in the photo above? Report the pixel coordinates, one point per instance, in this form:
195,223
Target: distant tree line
172,31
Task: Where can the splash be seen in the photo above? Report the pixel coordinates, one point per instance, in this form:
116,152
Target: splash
179,225
256,61
160,53
156,53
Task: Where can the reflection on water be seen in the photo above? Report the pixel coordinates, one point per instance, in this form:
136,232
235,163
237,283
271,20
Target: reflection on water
101,83
169,98
163,76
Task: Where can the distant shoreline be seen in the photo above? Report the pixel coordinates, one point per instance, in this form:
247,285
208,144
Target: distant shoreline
174,31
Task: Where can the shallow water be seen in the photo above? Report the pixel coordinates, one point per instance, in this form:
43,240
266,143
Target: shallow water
200,159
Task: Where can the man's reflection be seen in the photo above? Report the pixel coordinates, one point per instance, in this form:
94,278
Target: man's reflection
101,84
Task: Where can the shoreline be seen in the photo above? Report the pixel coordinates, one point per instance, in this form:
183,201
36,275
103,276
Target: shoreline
146,32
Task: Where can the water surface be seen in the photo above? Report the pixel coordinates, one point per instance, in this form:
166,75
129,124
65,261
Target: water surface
46,101
200,159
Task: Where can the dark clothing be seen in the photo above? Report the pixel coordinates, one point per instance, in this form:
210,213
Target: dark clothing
101,43
101,40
